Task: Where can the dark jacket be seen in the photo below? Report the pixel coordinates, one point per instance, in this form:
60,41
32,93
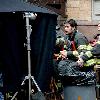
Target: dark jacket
77,39
93,53
81,77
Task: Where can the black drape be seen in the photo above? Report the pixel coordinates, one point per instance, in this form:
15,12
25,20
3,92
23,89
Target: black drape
43,40
14,53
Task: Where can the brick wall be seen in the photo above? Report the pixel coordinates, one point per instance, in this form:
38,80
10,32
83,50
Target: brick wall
79,9
88,30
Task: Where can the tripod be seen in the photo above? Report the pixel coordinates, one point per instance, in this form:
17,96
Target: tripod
29,77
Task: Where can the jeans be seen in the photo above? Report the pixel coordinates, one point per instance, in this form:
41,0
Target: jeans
1,96
1,86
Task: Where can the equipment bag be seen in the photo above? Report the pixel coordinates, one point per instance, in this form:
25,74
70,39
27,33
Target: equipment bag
69,69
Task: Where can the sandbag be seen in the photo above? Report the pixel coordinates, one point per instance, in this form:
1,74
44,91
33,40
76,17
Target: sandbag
70,71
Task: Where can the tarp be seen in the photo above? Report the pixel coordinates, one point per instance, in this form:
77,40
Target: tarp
18,5
13,54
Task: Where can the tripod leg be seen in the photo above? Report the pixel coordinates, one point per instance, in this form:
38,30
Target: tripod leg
26,77
35,83
14,96
38,95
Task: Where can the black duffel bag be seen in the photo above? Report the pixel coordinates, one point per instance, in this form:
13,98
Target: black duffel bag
70,71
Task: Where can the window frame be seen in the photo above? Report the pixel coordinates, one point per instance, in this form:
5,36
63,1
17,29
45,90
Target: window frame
95,15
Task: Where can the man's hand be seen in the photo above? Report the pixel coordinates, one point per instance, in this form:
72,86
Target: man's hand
80,62
63,54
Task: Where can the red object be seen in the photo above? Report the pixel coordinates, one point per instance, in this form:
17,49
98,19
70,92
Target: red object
73,46
62,49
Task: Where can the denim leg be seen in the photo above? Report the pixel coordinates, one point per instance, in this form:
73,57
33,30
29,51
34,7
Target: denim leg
1,96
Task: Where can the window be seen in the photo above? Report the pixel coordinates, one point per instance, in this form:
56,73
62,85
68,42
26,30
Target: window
95,9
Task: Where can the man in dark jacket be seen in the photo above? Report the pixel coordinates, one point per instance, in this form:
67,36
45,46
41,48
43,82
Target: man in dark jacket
71,85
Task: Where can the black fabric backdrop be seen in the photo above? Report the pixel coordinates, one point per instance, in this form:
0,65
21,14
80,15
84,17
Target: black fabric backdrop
19,5
13,53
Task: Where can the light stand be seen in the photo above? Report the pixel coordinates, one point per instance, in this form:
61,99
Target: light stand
28,28
29,77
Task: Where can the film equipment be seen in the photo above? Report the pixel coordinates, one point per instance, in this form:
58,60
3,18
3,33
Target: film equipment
39,95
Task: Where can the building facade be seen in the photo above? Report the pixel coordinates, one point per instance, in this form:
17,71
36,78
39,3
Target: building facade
87,14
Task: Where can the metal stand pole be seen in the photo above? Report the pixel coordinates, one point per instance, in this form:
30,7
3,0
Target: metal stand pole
29,77
28,27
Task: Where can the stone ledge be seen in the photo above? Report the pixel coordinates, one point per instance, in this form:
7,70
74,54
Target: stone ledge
87,23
